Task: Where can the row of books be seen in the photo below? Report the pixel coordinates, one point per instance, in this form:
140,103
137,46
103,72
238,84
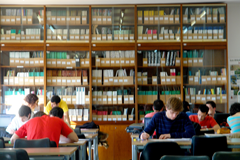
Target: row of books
79,114
207,10
12,73
192,91
66,73
67,55
101,12
66,12
17,12
35,54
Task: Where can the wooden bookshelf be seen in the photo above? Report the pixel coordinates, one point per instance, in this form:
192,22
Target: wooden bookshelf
204,84
152,67
159,85
67,67
113,85
113,67
22,66
23,85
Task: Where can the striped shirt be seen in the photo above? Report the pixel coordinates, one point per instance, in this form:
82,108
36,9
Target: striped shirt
234,123
180,127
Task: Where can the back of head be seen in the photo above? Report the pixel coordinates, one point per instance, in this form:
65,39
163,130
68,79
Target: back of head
174,104
39,114
213,104
31,99
56,112
24,111
185,106
158,105
56,99
203,109
235,107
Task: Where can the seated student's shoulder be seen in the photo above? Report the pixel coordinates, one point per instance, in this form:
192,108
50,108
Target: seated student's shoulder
159,114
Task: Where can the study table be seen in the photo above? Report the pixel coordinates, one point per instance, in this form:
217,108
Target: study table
92,135
184,143
47,153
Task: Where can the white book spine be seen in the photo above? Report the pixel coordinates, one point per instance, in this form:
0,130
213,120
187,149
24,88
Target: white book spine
83,95
80,95
77,95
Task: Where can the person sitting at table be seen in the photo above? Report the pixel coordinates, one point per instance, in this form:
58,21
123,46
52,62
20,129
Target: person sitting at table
234,118
212,108
157,107
172,123
56,101
31,100
24,114
45,126
203,119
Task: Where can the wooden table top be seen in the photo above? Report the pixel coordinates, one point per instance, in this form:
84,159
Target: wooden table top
47,151
230,141
89,130
79,143
134,135
90,136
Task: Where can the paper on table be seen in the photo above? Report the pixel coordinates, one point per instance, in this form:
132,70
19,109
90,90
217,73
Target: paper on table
173,139
216,135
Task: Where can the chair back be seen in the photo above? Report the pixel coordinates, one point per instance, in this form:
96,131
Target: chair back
16,154
39,143
202,145
155,150
221,117
167,157
226,155
53,144
2,143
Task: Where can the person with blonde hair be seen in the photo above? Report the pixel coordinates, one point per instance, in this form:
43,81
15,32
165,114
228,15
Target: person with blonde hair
172,123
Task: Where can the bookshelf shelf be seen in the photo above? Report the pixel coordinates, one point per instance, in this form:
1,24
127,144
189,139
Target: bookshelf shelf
22,67
103,122
67,41
123,24
158,41
113,86
72,105
85,25
114,104
114,42
205,66
151,67
207,24
67,85
115,67
22,85
3,25
206,40
204,84
162,24
67,67
159,85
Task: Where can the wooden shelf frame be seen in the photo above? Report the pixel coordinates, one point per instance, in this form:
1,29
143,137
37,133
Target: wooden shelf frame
89,45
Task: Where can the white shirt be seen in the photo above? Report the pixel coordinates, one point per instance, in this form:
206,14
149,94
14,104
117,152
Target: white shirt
15,124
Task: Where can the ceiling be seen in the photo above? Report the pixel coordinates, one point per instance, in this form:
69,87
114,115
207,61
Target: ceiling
59,2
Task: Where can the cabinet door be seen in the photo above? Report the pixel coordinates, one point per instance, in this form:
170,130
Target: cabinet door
107,154
122,143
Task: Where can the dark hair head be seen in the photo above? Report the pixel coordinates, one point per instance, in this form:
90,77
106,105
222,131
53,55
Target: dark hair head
56,99
56,112
31,99
235,107
213,104
158,105
39,114
24,111
185,106
203,109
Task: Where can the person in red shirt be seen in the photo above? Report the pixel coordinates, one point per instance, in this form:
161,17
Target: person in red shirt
203,119
45,127
157,107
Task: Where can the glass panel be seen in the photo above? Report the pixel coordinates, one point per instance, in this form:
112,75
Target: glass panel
67,24
21,24
22,73
204,23
113,23
159,23
113,85
158,77
205,77
68,77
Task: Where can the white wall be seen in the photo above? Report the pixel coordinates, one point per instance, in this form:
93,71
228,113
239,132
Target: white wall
233,37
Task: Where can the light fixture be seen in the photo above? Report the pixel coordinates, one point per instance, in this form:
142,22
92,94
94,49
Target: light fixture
122,14
203,14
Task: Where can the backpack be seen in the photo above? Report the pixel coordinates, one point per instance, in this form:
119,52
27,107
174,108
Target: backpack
88,125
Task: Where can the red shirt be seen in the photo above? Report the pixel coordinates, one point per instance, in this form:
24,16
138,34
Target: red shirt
44,127
208,121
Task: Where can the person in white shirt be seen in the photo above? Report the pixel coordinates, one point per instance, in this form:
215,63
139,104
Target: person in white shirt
31,100
24,115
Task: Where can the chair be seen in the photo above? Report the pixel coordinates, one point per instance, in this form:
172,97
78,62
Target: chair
167,157
226,155
2,143
202,145
221,117
155,150
16,154
39,143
